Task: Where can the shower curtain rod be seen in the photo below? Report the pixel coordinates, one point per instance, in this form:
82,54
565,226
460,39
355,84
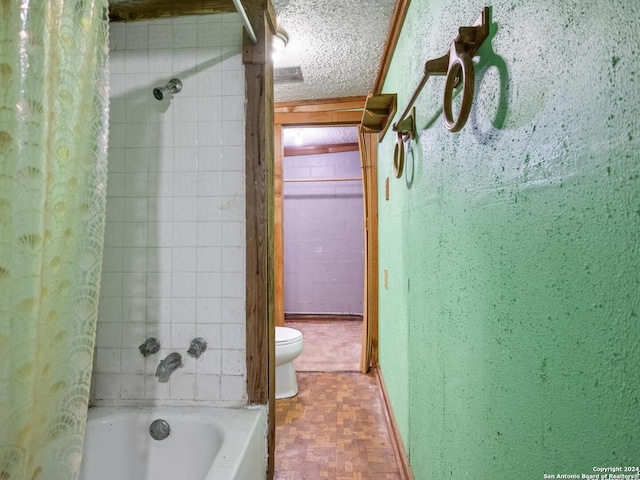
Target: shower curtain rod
247,23
341,179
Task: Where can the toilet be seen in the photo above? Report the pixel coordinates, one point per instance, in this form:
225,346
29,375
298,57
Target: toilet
288,347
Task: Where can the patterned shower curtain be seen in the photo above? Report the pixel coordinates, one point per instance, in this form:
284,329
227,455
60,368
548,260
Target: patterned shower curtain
53,142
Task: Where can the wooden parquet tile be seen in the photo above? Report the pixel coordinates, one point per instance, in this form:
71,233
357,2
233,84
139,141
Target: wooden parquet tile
333,429
329,345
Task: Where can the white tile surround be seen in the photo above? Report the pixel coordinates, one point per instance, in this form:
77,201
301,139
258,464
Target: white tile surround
174,256
323,237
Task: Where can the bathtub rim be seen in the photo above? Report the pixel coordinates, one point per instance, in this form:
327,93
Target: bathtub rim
244,432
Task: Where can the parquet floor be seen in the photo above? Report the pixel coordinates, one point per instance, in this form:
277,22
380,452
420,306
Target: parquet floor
333,429
329,345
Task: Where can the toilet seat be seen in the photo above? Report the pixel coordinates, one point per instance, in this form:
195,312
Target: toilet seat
287,336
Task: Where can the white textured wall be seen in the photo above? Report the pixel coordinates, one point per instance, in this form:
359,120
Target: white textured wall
174,258
323,238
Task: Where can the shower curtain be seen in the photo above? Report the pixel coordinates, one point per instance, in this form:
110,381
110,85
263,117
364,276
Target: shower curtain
53,142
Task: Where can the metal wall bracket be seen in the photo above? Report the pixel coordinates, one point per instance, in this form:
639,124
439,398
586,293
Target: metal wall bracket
457,65
406,130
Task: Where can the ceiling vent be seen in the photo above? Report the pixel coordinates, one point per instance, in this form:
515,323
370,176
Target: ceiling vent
287,75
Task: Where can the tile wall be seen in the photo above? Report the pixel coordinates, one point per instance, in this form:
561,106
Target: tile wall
323,237
174,256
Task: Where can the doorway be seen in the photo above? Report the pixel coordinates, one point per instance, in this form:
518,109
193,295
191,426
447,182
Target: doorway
344,112
323,245
328,391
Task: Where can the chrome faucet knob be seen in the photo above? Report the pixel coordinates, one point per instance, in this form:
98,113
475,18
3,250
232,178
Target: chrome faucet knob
151,345
198,347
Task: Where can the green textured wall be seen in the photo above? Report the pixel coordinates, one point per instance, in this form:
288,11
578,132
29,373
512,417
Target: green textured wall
509,334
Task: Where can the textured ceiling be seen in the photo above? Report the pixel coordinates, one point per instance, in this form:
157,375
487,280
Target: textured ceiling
337,43
294,136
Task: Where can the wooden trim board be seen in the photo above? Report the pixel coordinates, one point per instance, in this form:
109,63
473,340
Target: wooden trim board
322,105
300,119
259,178
259,206
397,20
320,149
278,240
396,440
154,9
321,317
369,163
330,111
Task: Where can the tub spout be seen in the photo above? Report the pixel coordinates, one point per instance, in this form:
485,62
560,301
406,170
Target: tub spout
168,366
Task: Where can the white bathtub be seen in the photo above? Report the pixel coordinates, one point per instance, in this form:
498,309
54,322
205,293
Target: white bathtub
204,444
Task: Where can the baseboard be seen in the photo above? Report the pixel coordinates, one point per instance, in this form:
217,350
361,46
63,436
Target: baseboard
396,439
320,317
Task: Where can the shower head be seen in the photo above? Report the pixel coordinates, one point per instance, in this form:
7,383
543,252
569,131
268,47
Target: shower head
174,86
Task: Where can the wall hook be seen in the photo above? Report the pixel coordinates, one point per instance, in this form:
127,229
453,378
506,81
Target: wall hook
406,130
408,125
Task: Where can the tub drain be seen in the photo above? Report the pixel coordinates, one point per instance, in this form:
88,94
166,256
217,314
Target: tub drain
159,429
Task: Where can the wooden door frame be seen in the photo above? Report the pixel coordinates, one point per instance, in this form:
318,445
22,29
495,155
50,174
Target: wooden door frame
322,113
368,144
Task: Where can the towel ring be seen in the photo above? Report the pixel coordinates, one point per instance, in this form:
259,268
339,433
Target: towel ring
398,156
460,70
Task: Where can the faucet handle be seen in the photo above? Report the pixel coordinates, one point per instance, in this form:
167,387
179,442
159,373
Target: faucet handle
150,345
198,347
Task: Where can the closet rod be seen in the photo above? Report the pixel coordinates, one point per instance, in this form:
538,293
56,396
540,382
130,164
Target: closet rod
340,179
247,23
